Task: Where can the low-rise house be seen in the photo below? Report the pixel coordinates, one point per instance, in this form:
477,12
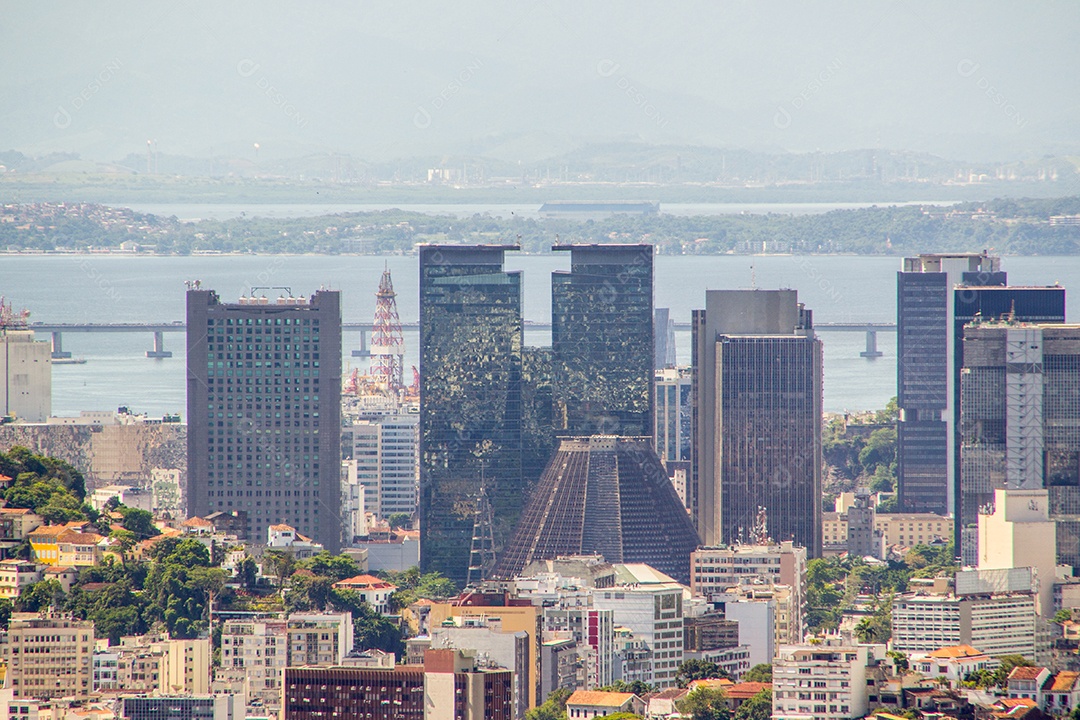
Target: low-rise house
1026,682
285,537
63,574
739,693
1061,693
952,664
664,704
372,590
597,703
17,523
16,575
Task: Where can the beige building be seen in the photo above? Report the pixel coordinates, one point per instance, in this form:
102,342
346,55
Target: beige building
1019,533
911,529
26,371
319,638
773,570
16,575
48,656
160,665
515,618
255,652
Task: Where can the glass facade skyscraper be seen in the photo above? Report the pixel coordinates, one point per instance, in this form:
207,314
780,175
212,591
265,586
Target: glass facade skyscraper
602,340
470,399
264,411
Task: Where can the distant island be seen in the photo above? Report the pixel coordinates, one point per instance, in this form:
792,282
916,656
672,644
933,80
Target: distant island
1008,226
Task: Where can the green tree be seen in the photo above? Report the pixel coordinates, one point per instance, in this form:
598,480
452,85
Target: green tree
399,520
758,707
281,564
1063,616
6,607
690,670
40,596
249,572
761,672
553,708
1008,663
338,567
139,522
638,687
705,704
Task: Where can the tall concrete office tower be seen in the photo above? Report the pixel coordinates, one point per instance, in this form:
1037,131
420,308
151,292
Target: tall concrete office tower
936,296
602,340
1020,430
757,428
264,411
470,400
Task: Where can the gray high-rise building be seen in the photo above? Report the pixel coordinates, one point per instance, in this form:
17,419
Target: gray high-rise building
470,400
602,340
1020,424
937,294
264,411
757,423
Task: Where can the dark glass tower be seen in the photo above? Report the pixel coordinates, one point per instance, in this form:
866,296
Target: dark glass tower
602,340
757,419
264,411
470,400
936,296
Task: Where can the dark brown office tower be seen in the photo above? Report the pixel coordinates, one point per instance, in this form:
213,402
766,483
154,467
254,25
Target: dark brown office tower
757,418
607,495
264,411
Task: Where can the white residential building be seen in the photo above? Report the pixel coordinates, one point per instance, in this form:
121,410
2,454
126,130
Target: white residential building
992,610
255,652
17,575
653,612
374,591
319,638
823,680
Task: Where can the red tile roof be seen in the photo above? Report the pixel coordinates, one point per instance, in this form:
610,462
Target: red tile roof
746,690
1064,681
365,582
1026,673
957,651
599,698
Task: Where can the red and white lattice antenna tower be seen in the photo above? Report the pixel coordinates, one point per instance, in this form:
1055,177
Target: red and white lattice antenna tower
11,319
387,343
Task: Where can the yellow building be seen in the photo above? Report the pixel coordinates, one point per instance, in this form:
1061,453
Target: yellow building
515,618
67,546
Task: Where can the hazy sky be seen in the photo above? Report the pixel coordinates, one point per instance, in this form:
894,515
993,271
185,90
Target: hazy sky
523,81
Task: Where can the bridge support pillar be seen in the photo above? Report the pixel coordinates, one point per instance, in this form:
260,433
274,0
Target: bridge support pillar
871,350
159,350
58,347
364,351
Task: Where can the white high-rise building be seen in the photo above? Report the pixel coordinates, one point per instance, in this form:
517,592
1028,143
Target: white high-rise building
25,376
385,451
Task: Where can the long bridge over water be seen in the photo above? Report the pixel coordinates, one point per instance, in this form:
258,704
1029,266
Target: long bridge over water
159,329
